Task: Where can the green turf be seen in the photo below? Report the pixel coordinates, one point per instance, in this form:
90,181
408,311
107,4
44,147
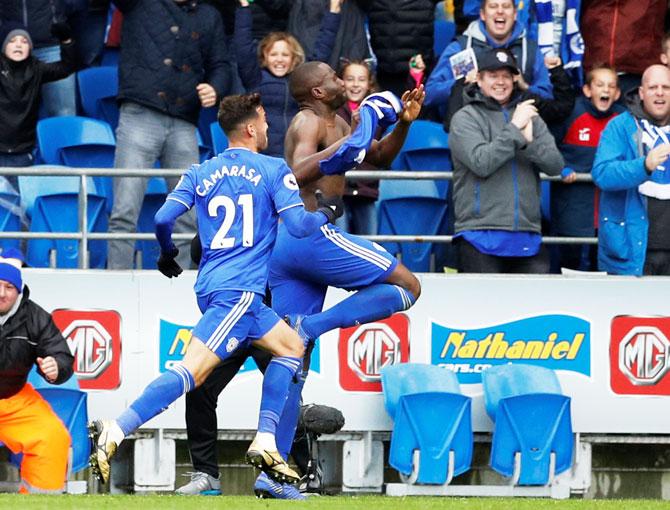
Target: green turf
104,502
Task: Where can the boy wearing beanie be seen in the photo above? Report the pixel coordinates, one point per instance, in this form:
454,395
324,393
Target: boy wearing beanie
21,78
28,425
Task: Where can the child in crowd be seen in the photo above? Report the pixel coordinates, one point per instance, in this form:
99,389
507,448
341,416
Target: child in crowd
574,204
360,214
21,78
267,72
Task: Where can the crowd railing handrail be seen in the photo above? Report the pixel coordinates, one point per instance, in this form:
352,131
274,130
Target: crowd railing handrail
83,236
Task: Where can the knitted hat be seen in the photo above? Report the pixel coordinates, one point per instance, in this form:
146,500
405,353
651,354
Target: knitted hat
9,29
11,261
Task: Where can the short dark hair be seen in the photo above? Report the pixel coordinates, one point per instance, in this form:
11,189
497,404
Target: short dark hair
237,109
304,78
590,75
482,4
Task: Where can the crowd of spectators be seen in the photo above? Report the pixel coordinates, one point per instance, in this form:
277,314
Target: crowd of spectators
544,108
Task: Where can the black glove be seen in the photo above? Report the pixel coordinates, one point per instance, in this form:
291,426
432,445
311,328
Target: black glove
61,30
332,207
196,250
167,264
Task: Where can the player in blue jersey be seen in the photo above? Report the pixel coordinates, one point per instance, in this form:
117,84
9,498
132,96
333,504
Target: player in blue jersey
302,269
239,197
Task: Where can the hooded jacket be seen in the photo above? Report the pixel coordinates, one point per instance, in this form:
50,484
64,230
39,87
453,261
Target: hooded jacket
20,84
618,170
528,58
496,171
28,334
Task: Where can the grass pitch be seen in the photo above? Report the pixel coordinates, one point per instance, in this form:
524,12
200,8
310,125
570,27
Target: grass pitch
170,502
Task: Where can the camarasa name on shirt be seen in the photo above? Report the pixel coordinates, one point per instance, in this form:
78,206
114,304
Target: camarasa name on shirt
235,171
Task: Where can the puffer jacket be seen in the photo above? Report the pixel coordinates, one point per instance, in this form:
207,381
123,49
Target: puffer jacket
168,49
496,172
400,29
28,334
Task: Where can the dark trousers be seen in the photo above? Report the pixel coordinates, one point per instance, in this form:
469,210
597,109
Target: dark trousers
657,263
201,422
471,260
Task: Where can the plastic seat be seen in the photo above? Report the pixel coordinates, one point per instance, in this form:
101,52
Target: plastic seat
10,218
33,186
408,208
154,198
532,438
418,397
205,119
98,88
443,34
75,141
219,138
59,213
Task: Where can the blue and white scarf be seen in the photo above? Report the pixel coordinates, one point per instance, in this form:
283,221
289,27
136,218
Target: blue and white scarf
378,110
659,184
572,43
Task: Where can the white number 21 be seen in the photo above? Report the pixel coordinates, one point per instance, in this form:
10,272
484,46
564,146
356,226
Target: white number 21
246,201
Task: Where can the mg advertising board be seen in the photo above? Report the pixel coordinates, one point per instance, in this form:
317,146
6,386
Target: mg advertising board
94,338
559,342
640,355
364,350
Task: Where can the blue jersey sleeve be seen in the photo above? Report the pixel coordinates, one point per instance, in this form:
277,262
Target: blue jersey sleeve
184,191
285,191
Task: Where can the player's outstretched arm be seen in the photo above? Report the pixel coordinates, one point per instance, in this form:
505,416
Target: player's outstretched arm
302,147
383,152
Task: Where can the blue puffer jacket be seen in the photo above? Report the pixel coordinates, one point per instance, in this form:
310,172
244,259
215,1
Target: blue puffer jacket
168,49
280,107
618,170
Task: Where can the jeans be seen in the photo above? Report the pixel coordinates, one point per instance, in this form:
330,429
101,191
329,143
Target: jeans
58,97
360,216
144,136
471,260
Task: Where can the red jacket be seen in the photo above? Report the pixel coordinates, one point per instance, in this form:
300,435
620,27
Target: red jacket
625,34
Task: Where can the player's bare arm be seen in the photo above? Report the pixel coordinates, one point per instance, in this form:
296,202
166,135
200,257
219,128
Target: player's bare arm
384,151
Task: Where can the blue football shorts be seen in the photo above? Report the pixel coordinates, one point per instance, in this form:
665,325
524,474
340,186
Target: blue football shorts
231,319
302,269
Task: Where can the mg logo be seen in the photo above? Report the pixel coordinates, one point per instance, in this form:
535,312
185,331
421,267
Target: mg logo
372,347
91,346
643,355
364,350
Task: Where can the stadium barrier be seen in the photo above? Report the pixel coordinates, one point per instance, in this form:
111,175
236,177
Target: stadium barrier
83,236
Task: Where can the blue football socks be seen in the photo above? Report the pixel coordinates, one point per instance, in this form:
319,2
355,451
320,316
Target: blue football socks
278,377
367,305
157,396
289,418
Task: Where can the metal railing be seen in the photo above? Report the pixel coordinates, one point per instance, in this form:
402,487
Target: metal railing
84,236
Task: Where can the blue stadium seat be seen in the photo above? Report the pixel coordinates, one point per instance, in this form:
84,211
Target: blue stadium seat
10,218
60,140
532,438
98,88
59,213
443,34
409,207
205,119
71,407
33,186
219,138
154,198
432,437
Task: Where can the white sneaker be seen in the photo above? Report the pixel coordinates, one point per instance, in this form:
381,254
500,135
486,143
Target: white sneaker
201,484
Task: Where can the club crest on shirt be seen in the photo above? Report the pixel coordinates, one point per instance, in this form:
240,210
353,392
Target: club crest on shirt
290,182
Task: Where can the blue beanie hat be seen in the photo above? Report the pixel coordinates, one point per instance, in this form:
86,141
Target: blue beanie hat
11,261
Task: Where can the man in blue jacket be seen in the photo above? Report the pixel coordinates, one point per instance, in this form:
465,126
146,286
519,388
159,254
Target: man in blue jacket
631,169
497,28
173,62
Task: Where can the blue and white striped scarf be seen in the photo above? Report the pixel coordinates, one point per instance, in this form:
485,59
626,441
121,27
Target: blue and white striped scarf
572,44
658,186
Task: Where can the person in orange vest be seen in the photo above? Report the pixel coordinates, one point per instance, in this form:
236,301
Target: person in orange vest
28,425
